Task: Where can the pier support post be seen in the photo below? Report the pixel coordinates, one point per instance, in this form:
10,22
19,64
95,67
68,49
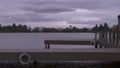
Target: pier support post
100,35
47,46
106,37
113,38
96,45
95,36
110,37
117,39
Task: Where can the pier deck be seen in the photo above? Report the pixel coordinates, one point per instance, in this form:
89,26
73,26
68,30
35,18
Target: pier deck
105,54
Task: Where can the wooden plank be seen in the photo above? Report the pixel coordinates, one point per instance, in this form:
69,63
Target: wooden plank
107,54
70,42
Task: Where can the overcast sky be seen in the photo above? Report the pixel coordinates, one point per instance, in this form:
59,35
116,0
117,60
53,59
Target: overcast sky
59,13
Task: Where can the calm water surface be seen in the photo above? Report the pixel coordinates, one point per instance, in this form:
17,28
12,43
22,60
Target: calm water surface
36,40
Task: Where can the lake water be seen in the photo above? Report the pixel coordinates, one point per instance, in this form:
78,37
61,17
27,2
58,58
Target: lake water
36,40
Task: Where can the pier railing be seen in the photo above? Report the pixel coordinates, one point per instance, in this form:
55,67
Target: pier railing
108,39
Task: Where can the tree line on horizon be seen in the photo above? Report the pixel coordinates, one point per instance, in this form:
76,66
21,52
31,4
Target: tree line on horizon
25,28
15,28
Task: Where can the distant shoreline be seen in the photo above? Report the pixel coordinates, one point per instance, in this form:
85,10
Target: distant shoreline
48,32
71,29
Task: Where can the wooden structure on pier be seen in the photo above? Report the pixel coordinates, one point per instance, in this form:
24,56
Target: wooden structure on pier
67,42
108,39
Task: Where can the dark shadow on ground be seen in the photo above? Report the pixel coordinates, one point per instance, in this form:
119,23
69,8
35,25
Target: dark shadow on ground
63,65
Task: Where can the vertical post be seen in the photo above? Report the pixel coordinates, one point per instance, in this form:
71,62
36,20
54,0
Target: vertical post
48,46
113,39
103,36
96,45
106,37
110,37
118,29
117,40
118,19
95,36
99,35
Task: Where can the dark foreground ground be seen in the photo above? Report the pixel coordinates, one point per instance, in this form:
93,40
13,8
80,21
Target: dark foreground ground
62,65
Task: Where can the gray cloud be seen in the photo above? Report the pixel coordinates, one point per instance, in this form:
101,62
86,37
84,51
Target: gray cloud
69,11
88,4
30,17
47,9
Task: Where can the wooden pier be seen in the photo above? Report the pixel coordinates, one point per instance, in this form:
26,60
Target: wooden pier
102,40
25,56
